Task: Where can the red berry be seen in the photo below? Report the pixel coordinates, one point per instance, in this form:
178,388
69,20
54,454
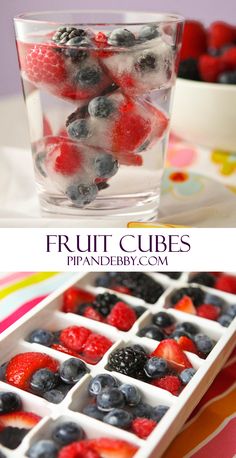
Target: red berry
19,419
130,130
186,305
113,448
211,67
44,65
91,313
74,297
226,283
66,350
143,427
187,344
22,366
80,449
170,383
122,316
66,157
75,337
220,34
209,311
194,42
171,351
120,288
95,347
229,58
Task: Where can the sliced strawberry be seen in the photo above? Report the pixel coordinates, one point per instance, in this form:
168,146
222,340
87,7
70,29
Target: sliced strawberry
19,419
169,383
75,337
209,311
91,313
186,305
113,448
74,297
22,366
66,350
171,351
81,449
187,344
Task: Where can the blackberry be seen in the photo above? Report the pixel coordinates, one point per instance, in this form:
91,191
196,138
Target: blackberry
146,63
127,361
196,294
188,69
104,303
70,36
203,278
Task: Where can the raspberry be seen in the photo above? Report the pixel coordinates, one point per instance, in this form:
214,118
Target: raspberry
66,350
229,58
211,67
194,40
220,34
120,288
209,311
66,157
74,297
122,316
170,383
44,65
80,449
75,337
95,347
91,313
143,427
226,283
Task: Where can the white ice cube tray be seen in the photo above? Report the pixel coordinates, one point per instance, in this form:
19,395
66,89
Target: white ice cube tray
48,315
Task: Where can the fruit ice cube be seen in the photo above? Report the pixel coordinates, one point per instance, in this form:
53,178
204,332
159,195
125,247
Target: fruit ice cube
143,68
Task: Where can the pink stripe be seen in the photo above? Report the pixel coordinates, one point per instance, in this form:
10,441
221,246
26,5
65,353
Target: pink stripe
19,312
14,277
222,445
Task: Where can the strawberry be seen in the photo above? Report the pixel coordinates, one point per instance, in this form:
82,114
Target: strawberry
66,157
122,316
19,419
95,347
226,283
186,305
209,311
187,344
113,448
22,366
66,350
75,337
74,297
80,449
194,42
130,130
44,65
47,130
170,383
229,58
211,67
220,34
171,351
91,313
143,427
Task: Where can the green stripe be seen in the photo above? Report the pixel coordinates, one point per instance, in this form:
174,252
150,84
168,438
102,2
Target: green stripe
33,279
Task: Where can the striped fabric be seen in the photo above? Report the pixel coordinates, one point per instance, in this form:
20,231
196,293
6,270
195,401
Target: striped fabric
211,429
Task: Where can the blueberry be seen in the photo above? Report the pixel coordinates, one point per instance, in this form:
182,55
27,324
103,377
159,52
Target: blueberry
3,369
179,333
56,395
162,319
110,398
72,370
139,310
12,436
214,300
146,62
156,367
9,402
79,129
105,165
118,417
148,32
204,343
152,332
82,194
188,327
231,311
43,380
43,449
40,163
88,76
142,410
225,320
159,412
41,336
100,382
186,375
121,37
67,432
131,394
101,107
92,411
227,77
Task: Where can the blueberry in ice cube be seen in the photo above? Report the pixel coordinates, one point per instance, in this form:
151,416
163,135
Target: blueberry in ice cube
79,129
101,107
82,194
121,37
148,32
105,165
88,76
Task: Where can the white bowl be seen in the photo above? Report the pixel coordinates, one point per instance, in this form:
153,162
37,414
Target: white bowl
205,114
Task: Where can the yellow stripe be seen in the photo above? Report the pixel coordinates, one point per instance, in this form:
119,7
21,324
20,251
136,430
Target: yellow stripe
204,425
33,279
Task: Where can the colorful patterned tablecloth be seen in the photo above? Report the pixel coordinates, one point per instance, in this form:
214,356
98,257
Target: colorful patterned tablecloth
209,432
